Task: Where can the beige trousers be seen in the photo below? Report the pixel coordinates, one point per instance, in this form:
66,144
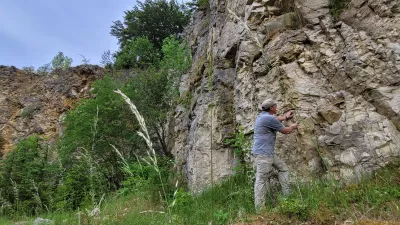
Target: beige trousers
264,165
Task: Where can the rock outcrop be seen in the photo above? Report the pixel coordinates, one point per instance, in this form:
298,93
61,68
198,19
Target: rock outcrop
340,75
34,104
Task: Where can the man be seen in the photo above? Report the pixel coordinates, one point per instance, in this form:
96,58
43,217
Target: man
265,128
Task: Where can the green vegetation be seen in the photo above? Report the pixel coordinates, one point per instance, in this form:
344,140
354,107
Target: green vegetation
138,53
318,202
44,70
154,19
85,165
2,143
27,179
59,62
199,4
113,164
85,61
107,59
336,7
28,69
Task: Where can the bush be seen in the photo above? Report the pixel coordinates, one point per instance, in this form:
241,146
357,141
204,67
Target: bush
29,110
176,56
27,178
107,59
44,70
28,69
2,143
203,3
86,143
199,4
336,7
138,53
145,179
294,207
61,62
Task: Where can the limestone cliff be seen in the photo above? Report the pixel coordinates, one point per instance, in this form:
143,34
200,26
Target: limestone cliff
34,104
340,74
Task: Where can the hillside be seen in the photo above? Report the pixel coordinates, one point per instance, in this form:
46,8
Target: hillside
34,104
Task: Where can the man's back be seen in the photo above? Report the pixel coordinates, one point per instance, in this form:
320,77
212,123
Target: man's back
265,129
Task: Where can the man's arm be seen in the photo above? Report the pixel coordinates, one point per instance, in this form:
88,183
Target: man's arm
288,115
289,129
281,118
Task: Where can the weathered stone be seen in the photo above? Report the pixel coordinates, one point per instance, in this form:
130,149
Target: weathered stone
32,104
256,13
330,113
341,78
348,158
41,221
312,10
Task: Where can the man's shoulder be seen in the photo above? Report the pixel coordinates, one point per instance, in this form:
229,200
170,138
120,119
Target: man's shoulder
267,116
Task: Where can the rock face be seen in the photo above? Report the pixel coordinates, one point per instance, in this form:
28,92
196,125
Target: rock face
341,76
33,104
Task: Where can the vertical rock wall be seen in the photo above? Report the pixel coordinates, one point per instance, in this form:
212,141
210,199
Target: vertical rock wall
340,75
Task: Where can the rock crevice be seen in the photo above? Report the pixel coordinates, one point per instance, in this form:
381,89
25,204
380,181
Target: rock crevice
341,76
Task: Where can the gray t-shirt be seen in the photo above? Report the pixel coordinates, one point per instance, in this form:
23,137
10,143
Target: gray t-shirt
265,129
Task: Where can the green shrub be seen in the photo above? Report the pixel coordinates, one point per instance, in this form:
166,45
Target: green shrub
28,178
294,207
44,70
2,143
138,53
336,7
242,148
200,4
29,110
107,60
82,185
204,3
28,69
85,145
61,62
145,180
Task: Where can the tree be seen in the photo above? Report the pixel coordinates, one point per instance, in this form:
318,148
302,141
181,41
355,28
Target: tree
138,53
44,70
61,61
29,69
85,61
107,59
154,19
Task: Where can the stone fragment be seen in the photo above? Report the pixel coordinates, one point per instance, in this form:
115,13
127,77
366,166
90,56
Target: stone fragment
330,113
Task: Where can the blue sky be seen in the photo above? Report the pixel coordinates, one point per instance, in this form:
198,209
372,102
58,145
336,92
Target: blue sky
33,32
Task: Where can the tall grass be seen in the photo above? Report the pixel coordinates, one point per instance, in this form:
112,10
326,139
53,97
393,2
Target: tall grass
146,137
376,198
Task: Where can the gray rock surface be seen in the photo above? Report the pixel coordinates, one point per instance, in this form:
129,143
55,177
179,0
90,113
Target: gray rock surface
341,77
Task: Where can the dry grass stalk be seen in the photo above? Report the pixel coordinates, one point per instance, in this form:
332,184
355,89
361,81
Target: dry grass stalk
144,133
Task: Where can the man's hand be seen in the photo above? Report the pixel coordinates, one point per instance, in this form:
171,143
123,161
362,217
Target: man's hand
289,129
289,115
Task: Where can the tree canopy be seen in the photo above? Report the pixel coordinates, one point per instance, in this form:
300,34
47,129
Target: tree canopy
138,53
154,19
